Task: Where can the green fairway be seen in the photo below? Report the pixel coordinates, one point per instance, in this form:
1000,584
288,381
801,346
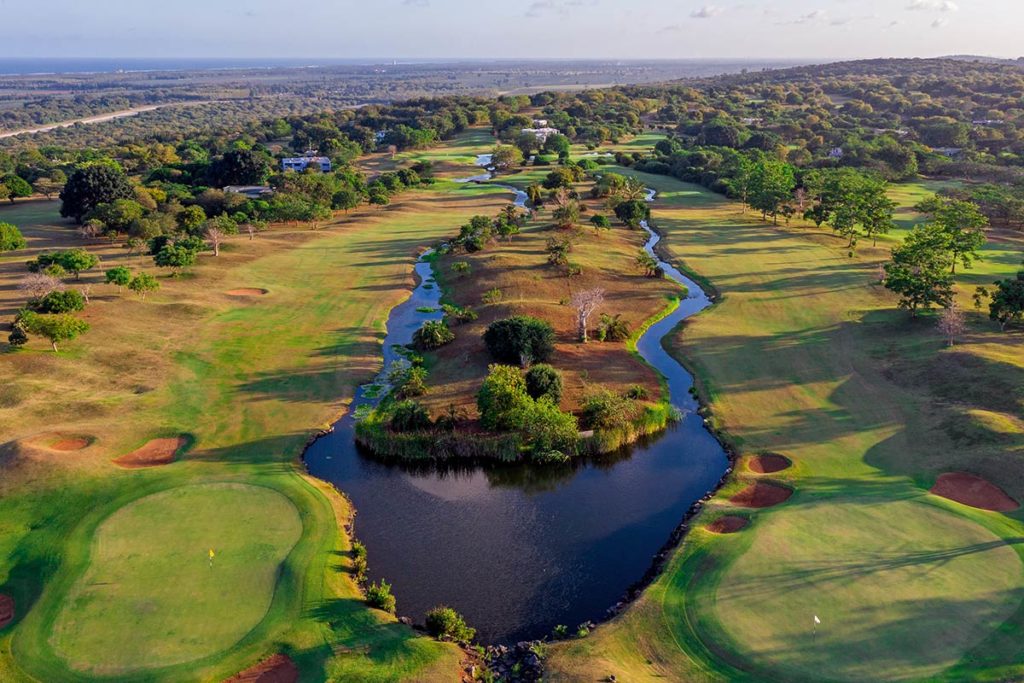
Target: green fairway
153,597
249,381
805,355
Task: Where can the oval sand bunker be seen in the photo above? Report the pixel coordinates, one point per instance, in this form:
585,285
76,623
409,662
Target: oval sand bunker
729,524
974,491
64,443
768,463
248,291
276,669
761,494
154,453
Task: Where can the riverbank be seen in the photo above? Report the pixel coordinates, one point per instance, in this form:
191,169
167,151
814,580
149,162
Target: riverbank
805,356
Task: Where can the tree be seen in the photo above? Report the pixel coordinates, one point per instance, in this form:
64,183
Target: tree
952,323
346,199
919,270
505,157
771,185
175,256
119,276
66,301
380,596
191,219
585,303
535,195
241,167
558,144
66,261
965,225
11,238
38,285
633,212
142,284
461,268
1007,305
91,186
119,214
544,380
379,197
503,400
432,335
56,328
567,209
16,187
520,340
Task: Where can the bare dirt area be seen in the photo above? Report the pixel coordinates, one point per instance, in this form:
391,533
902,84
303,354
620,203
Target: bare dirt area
247,291
761,494
729,524
65,443
974,491
6,610
768,463
276,669
154,453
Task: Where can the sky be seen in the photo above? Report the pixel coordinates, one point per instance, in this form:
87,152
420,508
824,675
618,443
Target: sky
616,29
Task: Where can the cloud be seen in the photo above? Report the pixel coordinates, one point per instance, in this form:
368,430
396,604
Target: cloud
932,6
706,12
540,8
939,23
416,3
808,18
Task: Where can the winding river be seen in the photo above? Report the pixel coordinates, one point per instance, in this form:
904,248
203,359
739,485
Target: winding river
519,549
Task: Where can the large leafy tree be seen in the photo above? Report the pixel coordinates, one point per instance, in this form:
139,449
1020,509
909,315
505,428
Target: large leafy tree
1007,303
91,186
240,167
919,270
965,224
56,328
771,185
11,238
16,187
520,340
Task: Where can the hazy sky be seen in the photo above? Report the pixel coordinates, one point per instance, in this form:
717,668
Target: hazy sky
509,28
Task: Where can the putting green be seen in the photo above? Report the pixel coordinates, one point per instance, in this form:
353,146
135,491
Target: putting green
151,596
903,589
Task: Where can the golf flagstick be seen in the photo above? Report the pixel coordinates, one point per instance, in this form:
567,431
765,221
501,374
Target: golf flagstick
814,628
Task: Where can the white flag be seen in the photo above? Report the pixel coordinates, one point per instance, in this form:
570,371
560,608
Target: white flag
816,619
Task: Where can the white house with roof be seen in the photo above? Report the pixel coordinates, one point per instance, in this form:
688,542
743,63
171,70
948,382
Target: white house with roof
308,159
542,134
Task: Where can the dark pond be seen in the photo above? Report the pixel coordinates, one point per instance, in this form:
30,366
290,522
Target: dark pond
520,549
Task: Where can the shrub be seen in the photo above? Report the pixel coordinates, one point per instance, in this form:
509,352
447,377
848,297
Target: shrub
492,296
544,380
409,416
502,400
636,393
11,238
460,268
605,410
143,283
457,316
612,328
17,337
410,382
119,276
547,428
444,623
68,301
380,596
433,335
520,340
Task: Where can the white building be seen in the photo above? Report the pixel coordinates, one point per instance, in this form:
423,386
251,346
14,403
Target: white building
542,134
300,164
250,191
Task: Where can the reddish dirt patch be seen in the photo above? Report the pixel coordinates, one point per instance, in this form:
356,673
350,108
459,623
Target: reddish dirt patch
6,610
63,442
247,291
729,524
156,452
761,494
974,491
276,669
768,463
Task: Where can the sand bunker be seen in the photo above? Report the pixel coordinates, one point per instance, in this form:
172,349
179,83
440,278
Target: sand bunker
974,491
729,524
6,610
767,463
247,291
156,452
65,443
761,495
276,669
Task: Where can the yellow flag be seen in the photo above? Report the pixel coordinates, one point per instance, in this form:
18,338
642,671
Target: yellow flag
211,553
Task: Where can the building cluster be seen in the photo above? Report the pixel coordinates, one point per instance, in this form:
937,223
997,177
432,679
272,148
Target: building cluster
308,159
